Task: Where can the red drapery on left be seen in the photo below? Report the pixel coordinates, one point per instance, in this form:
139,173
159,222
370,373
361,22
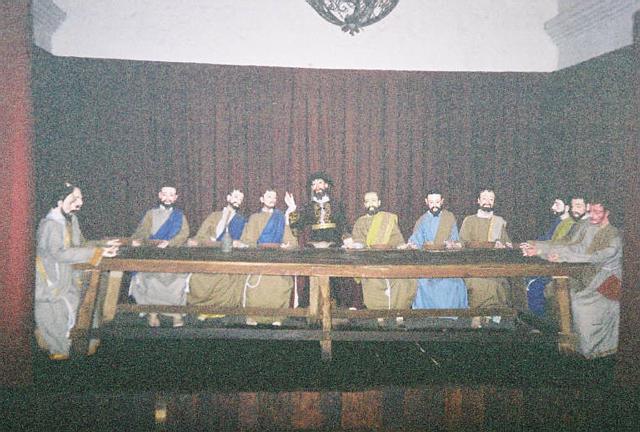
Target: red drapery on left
16,184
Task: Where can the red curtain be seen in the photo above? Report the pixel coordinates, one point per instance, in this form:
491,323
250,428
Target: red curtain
121,127
16,184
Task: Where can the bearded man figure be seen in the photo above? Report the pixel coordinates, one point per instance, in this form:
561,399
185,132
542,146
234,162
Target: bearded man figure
437,228
60,244
167,225
221,290
379,230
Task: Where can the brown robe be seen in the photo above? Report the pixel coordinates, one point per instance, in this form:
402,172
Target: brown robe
384,293
262,290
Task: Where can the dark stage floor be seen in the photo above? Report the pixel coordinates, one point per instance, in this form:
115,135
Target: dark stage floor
492,383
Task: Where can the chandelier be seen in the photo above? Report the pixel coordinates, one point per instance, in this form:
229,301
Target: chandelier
351,15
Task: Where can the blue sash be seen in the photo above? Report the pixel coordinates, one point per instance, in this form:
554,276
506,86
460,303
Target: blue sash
274,230
170,228
235,227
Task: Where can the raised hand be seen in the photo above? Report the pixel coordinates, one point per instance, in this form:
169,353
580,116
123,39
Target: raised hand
290,202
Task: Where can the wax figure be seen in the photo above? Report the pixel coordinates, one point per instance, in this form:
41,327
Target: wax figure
60,244
559,229
222,290
168,225
267,228
437,228
595,295
379,229
485,227
324,223
568,228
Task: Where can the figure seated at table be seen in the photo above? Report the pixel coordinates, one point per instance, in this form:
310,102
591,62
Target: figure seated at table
221,290
437,229
264,229
379,230
169,225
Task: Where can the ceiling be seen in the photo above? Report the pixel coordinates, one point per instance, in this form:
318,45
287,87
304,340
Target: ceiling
426,35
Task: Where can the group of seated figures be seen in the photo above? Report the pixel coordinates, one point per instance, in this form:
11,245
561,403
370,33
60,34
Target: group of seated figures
580,233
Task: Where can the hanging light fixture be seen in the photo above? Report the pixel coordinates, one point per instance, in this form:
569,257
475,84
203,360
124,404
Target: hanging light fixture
351,15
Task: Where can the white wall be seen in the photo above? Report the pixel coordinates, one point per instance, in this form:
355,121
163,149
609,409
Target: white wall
433,35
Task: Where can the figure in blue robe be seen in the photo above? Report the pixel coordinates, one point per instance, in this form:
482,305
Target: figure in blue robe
444,293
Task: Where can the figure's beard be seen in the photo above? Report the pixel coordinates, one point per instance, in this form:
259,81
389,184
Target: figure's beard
576,217
556,213
234,205
167,206
372,210
435,210
486,209
68,216
320,193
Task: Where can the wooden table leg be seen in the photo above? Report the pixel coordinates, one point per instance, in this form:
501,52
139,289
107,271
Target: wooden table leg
84,318
566,338
314,300
112,295
325,296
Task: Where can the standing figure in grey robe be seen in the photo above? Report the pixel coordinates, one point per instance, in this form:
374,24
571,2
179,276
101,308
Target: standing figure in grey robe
486,228
268,228
221,290
379,230
58,286
595,295
167,225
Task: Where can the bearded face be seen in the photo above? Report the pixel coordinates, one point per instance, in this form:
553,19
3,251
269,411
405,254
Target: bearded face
558,208
167,196
371,203
434,203
269,199
72,203
578,209
486,201
235,198
319,188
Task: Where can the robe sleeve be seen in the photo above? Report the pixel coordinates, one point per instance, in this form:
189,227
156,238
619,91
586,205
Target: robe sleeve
418,238
208,228
577,253
359,233
55,248
143,231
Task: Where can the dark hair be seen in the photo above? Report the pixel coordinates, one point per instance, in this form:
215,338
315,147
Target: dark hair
433,192
577,196
319,175
486,189
599,199
60,191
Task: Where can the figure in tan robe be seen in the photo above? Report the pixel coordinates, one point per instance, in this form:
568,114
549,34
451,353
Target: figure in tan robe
379,230
595,295
268,228
485,228
221,290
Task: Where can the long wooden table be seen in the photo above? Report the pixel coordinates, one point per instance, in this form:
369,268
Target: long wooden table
100,301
